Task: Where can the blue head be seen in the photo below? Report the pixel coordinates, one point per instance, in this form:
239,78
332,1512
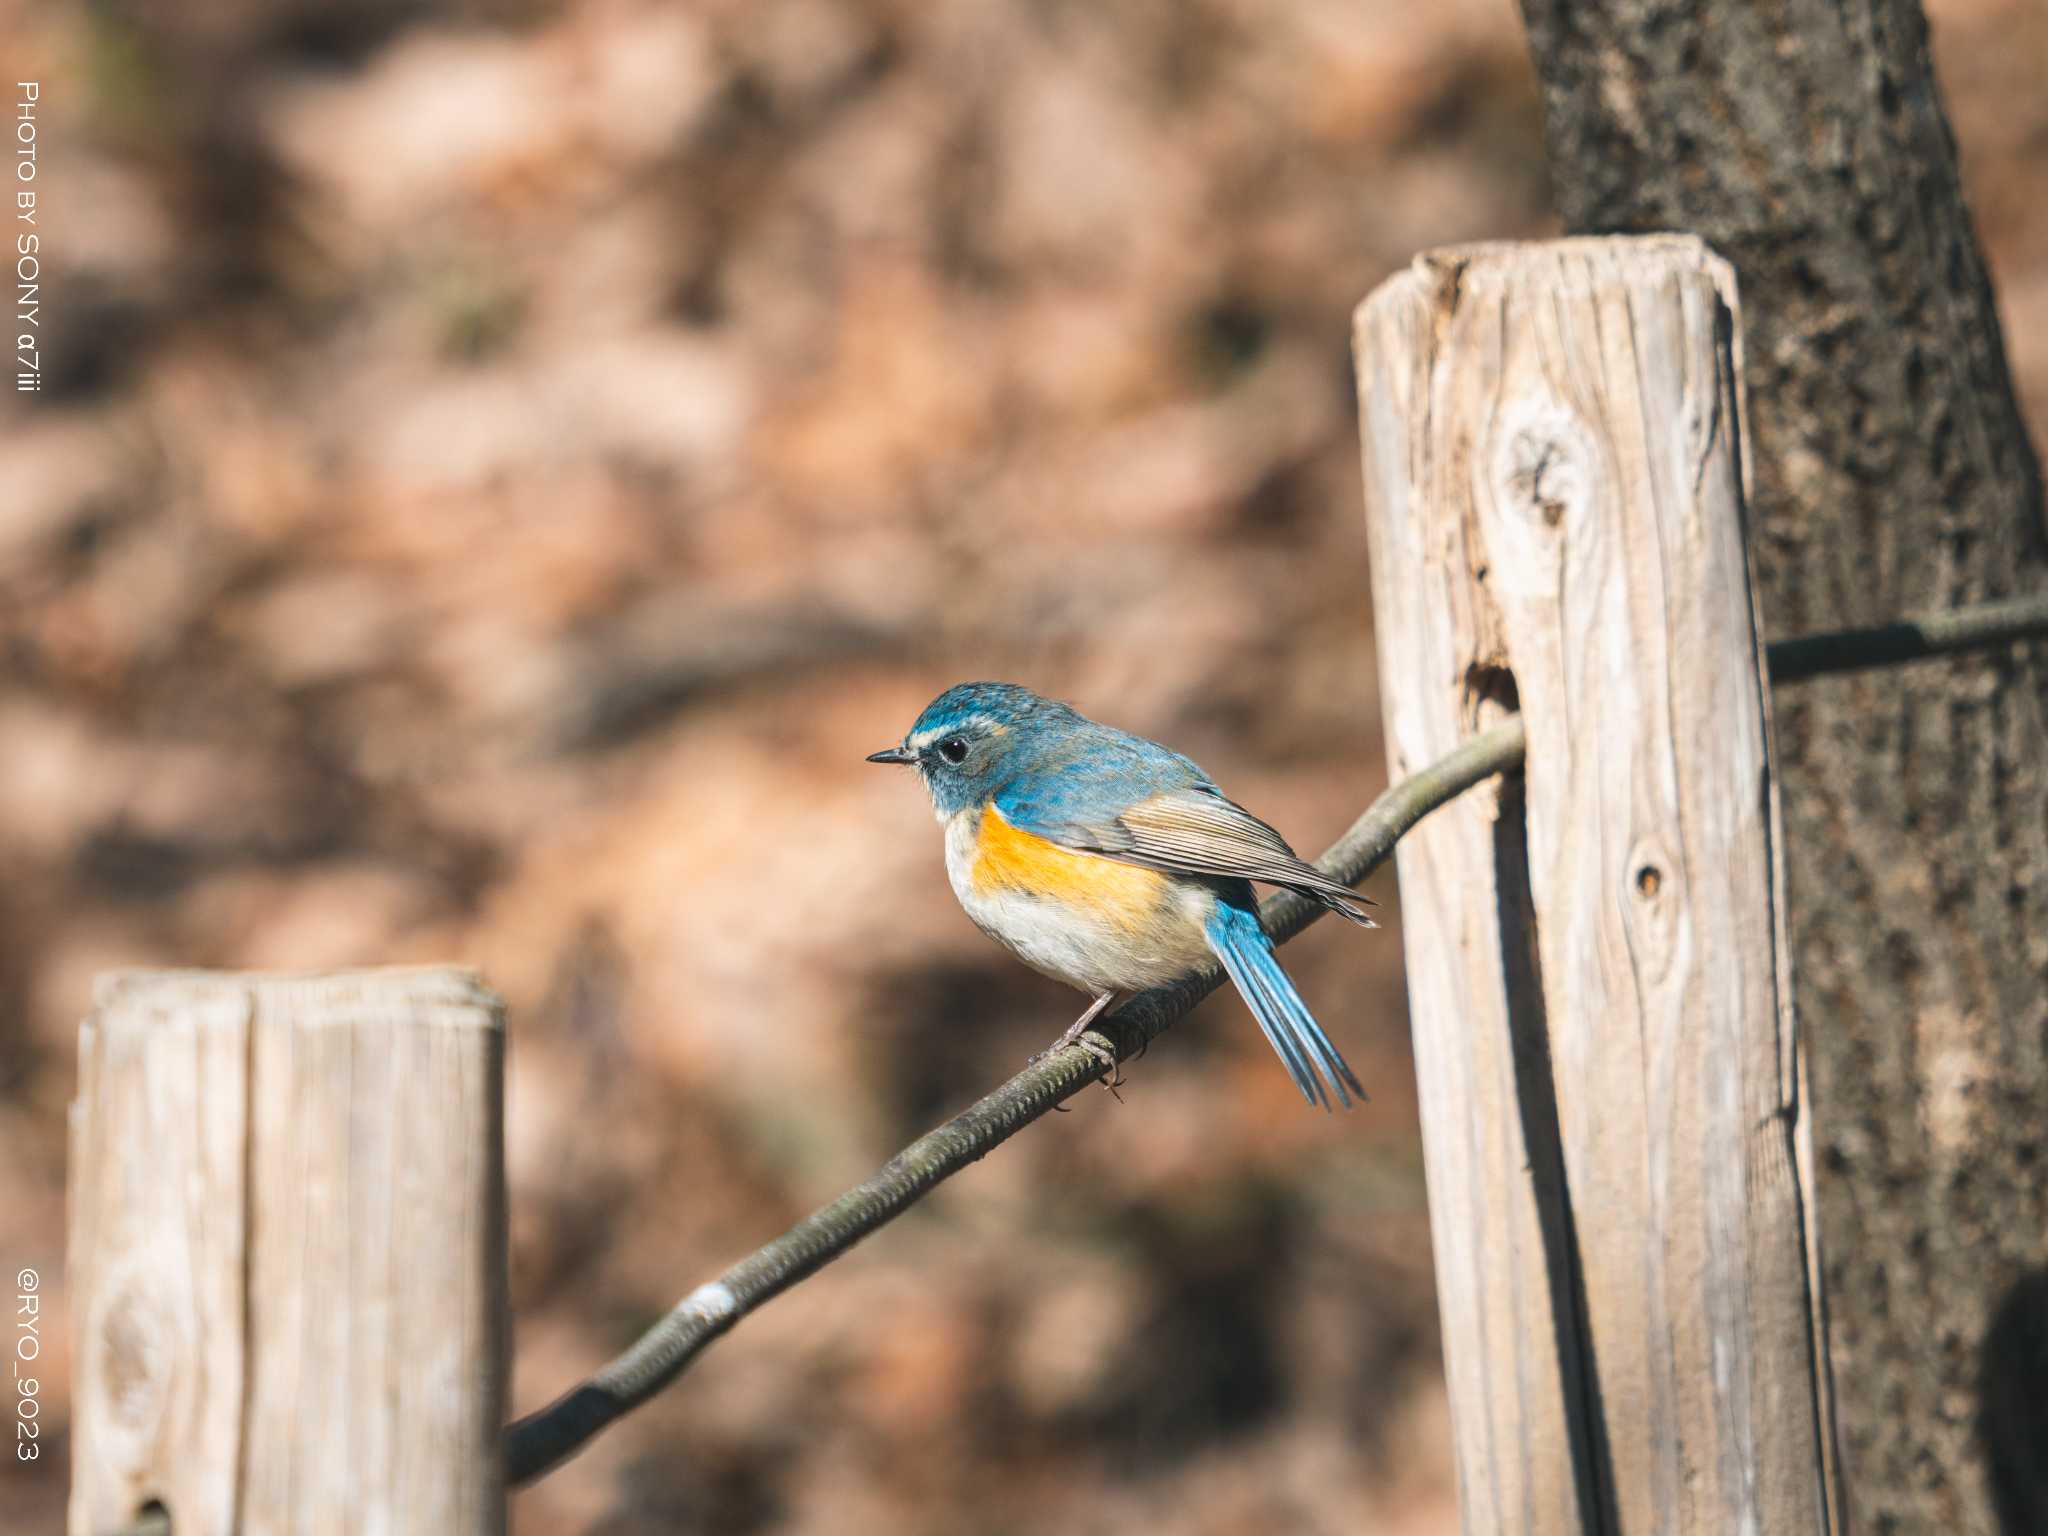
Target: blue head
975,737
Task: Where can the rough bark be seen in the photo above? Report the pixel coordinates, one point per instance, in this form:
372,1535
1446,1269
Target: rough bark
1806,141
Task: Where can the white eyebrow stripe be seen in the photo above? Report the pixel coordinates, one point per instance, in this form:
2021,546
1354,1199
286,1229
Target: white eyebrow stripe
924,738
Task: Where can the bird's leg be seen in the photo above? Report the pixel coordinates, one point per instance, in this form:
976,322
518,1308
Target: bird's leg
1080,1025
1075,1036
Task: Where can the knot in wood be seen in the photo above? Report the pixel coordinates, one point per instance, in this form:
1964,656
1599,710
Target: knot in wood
136,1353
1650,871
1546,466
1653,907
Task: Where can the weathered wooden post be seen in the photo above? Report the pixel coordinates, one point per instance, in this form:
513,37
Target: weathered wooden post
1614,1120
287,1255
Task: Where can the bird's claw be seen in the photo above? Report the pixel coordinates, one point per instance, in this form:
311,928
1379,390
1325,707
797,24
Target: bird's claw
1112,1069
1113,1073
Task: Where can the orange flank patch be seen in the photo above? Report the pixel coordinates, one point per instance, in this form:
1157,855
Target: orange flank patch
1007,858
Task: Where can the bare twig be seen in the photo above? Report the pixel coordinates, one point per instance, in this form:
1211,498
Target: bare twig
1938,634
542,1439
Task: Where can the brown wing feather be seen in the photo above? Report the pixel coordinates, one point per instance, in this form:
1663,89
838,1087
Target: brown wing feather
1197,833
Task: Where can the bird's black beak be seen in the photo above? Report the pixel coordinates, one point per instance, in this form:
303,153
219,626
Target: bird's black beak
893,755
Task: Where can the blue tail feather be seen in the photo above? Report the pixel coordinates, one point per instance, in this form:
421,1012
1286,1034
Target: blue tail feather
1247,954
1272,1022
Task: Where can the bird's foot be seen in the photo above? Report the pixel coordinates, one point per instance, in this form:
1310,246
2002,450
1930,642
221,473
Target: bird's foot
1077,1034
1112,1069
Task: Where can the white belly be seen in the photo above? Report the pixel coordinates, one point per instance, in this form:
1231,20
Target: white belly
1072,945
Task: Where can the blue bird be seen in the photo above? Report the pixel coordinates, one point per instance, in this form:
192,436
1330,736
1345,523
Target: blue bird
1113,864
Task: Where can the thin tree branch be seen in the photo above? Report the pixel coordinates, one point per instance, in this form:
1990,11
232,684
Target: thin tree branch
540,1440
543,1439
1938,634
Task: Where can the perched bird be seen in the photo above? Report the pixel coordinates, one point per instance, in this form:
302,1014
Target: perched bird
1114,864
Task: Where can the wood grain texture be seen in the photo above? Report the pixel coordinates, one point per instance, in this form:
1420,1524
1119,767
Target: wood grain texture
1610,1084
288,1254
1806,140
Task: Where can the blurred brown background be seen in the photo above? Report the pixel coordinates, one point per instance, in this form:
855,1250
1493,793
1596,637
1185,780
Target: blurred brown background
502,465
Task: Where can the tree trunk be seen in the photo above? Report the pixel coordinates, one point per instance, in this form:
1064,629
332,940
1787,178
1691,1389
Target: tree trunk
1805,140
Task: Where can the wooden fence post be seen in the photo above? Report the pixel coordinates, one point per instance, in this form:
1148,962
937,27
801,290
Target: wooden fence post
1614,1126
287,1254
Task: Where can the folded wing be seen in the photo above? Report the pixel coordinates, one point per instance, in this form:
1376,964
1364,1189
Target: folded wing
1196,831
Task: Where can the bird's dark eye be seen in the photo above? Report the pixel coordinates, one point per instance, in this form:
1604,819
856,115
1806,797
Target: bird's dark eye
954,749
